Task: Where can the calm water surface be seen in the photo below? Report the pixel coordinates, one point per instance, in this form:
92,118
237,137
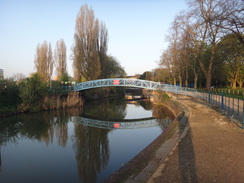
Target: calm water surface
52,147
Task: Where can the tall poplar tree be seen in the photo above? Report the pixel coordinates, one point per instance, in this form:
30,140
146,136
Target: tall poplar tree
90,45
60,58
44,61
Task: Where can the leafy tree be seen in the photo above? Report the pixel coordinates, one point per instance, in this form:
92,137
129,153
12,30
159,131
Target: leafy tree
113,68
9,95
32,92
146,75
232,52
64,77
162,75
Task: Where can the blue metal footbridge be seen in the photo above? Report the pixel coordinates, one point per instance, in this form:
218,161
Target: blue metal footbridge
137,83
151,85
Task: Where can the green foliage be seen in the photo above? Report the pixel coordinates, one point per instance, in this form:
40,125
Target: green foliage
162,96
232,53
114,69
146,76
64,77
162,75
9,96
32,92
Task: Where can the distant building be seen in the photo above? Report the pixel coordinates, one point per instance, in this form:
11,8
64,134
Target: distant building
1,74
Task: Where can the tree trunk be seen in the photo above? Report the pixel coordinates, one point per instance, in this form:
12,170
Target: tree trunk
174,81
208,80
180,81
186,83
241,84
195,81
234,84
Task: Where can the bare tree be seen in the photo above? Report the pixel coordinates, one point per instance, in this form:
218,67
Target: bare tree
174,58
50,64
167,61
43,61
60,58
232,14
208,30
103,41
90,44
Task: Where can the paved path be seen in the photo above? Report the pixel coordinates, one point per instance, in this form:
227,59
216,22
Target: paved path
211,151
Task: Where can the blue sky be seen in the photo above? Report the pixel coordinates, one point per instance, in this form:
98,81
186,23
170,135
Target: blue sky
136,28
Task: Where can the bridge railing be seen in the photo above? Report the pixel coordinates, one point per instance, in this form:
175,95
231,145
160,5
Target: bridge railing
118,82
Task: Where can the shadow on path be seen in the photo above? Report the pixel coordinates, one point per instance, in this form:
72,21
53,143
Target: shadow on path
186,153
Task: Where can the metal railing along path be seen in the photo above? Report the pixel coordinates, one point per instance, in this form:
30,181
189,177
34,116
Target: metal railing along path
232,108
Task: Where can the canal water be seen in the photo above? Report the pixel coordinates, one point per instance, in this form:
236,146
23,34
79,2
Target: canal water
77,145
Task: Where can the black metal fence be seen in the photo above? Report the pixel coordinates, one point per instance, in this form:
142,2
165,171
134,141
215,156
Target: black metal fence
232,108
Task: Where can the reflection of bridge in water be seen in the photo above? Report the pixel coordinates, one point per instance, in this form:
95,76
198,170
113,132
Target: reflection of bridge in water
125,124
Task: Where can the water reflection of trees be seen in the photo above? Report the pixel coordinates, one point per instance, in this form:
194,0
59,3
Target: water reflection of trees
91,145
146,104
92,151
161,112
37,126
106,110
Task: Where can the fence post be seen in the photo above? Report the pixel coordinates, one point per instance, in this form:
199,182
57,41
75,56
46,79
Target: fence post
222,100
208,96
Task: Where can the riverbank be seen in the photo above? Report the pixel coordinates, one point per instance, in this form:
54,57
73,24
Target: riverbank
211,151
49,102
201,145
